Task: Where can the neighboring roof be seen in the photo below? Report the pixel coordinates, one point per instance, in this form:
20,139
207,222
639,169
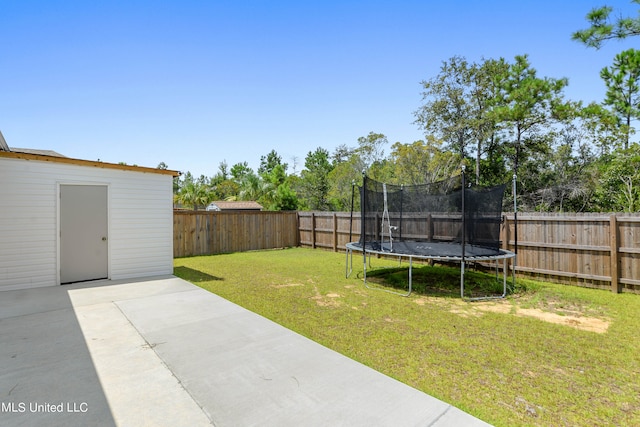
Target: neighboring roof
234,206
3,143
58,158
34,151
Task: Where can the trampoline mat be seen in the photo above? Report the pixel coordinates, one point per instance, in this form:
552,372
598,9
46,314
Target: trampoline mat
430,249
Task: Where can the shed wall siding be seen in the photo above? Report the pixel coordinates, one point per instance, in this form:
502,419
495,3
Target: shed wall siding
140,221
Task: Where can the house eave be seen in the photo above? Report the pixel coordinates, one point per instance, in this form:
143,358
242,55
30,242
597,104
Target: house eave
88,163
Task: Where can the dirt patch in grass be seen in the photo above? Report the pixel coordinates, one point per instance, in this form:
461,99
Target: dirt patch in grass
576,320
287,285
329,300
573,318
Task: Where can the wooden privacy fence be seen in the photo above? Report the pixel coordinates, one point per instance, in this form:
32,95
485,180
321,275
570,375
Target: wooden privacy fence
592,250
207,233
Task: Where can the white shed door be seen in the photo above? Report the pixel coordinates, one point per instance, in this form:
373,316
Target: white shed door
83,233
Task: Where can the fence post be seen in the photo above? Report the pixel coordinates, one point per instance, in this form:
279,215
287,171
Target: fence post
335,232
613,235
504,236
503,232
297,238
313,230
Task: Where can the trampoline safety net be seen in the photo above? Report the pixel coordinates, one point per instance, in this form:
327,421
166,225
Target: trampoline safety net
445,218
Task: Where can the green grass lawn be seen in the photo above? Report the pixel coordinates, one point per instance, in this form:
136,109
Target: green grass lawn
548,355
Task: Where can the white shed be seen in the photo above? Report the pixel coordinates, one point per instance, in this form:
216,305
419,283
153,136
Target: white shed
65,220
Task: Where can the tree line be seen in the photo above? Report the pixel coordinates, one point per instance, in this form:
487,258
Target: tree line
495,117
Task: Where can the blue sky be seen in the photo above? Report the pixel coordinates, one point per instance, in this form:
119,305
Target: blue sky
195,83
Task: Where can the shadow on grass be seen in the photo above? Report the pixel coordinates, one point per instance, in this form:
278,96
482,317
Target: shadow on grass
438,281
194,276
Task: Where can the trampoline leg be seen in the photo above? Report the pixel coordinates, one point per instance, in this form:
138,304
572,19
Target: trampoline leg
386,290
504,276
505,273
346,264
364,272
349,265
462,279
410,274
514,274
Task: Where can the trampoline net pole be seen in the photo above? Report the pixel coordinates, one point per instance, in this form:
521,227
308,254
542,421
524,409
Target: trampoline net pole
349,251
515,228
353,193
363,216
464,232
400,222
385,214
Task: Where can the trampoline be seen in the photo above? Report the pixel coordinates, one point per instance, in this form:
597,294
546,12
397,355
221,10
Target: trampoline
446,221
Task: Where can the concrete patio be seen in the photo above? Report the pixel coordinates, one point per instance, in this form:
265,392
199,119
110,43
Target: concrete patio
163,352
